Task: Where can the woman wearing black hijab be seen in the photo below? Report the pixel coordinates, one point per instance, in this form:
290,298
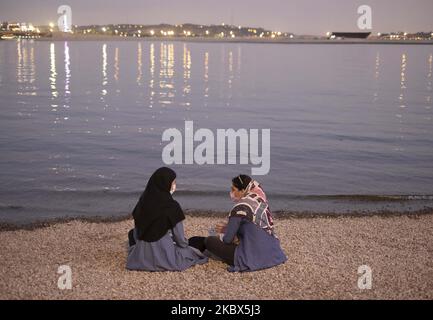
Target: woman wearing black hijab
157,243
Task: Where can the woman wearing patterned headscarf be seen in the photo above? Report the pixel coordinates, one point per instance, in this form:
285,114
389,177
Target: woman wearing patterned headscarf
248,241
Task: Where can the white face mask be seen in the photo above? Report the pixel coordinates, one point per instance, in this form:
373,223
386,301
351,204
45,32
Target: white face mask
233,197
173,189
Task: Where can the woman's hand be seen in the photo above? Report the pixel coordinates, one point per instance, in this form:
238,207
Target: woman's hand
236,240
221,227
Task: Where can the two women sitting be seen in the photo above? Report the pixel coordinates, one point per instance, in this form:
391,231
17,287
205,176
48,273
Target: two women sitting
247,242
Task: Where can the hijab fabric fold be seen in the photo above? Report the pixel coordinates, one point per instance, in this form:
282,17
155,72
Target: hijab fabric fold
254,207
156,211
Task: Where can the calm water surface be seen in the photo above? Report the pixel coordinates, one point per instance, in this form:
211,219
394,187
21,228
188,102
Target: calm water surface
81,123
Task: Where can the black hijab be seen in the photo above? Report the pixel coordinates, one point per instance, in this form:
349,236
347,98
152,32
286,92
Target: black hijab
157,212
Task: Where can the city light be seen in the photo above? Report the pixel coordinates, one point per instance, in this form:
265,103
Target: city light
222,30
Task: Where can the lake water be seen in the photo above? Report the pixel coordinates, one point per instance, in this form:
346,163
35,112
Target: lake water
81,123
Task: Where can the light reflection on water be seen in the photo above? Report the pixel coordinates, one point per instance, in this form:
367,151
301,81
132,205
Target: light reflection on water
53,73
26,69
104,71
90,115
429,84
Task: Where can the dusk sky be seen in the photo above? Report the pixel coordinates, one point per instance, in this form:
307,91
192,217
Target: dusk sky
298,16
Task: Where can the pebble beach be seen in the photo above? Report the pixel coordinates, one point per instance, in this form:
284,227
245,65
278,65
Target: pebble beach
324,254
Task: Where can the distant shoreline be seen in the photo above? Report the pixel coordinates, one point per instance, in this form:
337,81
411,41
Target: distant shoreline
235,40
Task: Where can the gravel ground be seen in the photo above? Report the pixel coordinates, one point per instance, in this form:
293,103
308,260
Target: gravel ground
323,259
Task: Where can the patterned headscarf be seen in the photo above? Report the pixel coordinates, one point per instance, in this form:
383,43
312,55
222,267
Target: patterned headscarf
254,207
